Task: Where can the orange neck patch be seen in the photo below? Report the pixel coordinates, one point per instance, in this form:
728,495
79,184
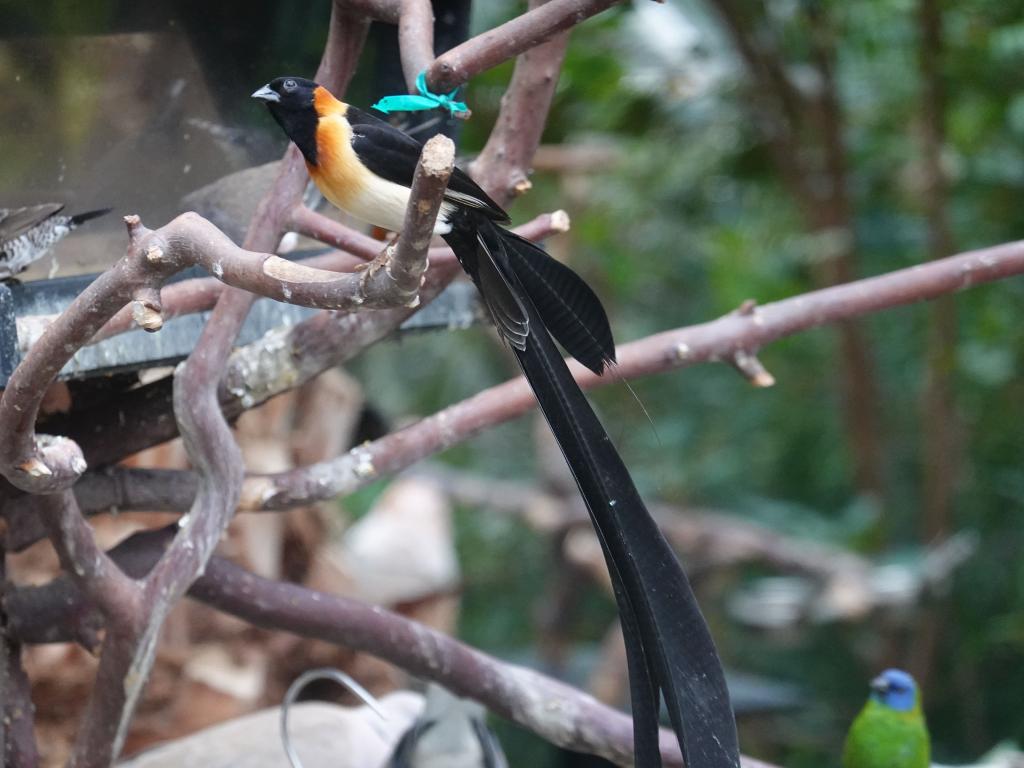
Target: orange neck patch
326,105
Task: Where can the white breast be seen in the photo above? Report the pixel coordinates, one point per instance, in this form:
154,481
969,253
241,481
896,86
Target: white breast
383,203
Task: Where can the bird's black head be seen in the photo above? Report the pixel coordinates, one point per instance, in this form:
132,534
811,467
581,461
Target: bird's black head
292,102
288,94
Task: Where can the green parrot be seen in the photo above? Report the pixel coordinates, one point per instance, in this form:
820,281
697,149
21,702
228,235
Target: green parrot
890,731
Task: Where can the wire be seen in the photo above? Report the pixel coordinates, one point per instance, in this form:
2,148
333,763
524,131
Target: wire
323,673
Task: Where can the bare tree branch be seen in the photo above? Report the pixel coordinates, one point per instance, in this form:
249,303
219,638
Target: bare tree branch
51,464
330,232
303,351
485,51
503,166
100,580
192,239
278,362
404,263
55,612
321,340
553,710
17,737
518,143
128,650
457,66
719,340
200,294
415,39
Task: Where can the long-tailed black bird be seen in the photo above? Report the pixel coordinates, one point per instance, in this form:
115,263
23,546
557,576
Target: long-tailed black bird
365,166
27,234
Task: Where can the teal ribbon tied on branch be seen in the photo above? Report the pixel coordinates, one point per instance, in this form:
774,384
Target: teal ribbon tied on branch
425,100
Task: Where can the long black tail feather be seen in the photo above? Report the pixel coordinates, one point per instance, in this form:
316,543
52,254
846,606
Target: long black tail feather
669,647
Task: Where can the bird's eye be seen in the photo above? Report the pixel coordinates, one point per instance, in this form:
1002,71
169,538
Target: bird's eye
290,85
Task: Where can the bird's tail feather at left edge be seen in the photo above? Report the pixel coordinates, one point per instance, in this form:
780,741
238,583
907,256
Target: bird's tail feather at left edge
80,218
669,646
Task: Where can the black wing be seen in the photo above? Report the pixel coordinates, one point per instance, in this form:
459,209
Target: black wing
393,155
15,222
569,307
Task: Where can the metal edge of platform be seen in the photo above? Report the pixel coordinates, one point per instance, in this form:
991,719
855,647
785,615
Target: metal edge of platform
457,307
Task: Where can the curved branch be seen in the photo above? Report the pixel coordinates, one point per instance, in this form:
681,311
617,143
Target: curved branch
195,240
149,425
485,51
554,711
51,464
489,49
47,465
330,232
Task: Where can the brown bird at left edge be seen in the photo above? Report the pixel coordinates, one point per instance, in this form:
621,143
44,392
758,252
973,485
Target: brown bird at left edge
365,166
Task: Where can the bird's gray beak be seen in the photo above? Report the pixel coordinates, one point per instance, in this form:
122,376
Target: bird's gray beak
266,93
880,685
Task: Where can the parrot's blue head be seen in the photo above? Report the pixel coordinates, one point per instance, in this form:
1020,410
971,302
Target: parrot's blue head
895,689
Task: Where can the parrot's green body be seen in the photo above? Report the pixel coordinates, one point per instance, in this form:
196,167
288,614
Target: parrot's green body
886,737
